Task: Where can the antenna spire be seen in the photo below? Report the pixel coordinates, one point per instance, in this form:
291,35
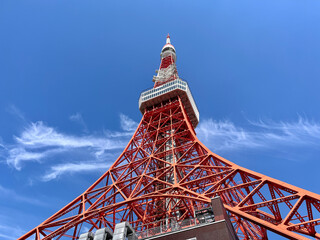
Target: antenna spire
168,39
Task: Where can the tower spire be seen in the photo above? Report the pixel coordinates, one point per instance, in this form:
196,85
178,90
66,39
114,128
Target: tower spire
167,70
168,39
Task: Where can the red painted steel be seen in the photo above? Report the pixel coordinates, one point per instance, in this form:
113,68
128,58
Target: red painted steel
167,64
165,172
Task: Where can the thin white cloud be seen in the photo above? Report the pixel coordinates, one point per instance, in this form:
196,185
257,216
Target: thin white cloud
302,131
39,142
222,135
20,154
10,232
7,234
70,168
40,135
77,117
16,112
1,144
225,135
127,124
14,196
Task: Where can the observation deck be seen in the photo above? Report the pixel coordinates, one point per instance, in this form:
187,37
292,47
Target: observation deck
169,90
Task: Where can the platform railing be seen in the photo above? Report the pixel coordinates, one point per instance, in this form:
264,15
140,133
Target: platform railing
164,227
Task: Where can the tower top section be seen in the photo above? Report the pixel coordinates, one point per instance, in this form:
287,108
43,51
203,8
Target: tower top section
168,85
167,71
168,38
168,45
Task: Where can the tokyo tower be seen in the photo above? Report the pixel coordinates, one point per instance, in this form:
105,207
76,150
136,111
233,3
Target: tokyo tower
166,177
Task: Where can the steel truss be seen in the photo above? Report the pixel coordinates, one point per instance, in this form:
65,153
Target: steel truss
165,172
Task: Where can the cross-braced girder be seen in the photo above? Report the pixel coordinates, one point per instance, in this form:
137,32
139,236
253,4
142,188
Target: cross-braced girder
165,172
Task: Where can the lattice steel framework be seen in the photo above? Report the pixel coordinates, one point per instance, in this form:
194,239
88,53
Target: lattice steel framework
165,172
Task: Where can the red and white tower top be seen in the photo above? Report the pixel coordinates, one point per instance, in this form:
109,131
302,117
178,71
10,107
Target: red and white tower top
167,70
168,85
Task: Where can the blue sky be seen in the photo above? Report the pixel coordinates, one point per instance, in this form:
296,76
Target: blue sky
71,73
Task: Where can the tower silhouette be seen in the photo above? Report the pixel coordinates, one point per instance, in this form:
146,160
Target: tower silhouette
165,173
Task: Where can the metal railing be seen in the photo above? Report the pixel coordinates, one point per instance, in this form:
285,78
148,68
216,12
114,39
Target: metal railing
168,225
166,88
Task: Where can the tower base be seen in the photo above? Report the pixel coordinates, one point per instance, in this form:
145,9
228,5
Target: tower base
219,228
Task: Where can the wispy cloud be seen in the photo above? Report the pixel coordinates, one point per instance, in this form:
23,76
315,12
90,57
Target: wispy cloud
20,154
14,196
77,117
10,232
70,168
3,149
16,112
127,124
40,135
226,136
39,142
302,131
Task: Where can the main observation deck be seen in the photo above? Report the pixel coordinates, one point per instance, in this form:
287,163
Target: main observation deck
169,90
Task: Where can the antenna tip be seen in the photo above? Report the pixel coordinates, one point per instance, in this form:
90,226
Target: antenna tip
168,39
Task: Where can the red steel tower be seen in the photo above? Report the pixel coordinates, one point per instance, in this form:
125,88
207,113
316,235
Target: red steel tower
166,173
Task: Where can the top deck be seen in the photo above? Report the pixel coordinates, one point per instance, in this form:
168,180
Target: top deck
169,90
